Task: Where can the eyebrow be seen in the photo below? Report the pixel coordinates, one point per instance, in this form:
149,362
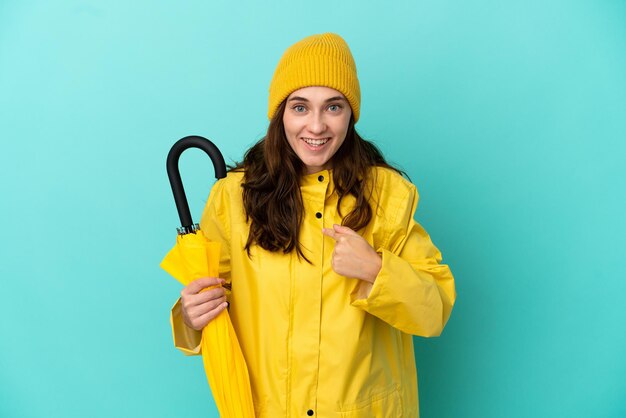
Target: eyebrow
304,99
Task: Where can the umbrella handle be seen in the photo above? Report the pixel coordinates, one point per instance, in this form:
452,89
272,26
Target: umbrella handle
176,182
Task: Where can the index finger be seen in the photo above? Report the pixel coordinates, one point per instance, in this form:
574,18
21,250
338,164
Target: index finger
329,232
197,285
341,229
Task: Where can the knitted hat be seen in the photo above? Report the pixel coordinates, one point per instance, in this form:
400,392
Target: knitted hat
318,60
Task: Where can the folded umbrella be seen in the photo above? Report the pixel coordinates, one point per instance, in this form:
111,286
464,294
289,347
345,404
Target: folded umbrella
193,257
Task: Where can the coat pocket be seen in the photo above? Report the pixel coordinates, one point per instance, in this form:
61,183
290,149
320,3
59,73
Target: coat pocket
385,404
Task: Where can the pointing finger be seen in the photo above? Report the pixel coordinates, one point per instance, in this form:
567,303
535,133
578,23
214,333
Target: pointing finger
329,232
344,230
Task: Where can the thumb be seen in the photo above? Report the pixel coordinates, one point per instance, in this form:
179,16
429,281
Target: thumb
344,230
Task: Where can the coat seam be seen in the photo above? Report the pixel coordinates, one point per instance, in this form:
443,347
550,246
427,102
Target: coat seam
394,220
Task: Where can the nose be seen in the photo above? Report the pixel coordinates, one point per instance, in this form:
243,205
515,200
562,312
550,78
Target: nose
317,123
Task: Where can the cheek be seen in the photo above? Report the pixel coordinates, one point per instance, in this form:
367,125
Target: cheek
288,130
291,128
342,127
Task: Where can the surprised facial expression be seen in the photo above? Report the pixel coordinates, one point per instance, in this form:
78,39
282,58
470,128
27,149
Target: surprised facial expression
316,121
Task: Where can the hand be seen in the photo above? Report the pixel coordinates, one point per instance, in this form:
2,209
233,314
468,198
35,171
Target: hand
353,256
200,305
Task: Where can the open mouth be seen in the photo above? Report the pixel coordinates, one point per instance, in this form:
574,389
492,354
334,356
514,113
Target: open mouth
315,143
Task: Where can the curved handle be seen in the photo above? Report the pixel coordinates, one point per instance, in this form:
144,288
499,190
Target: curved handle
173,173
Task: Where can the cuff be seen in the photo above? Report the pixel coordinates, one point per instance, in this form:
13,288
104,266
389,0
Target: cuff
365,293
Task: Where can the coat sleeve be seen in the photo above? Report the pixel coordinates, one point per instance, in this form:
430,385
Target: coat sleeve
215,227
413,291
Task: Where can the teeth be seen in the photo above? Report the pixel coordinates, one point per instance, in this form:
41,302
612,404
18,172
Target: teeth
315,142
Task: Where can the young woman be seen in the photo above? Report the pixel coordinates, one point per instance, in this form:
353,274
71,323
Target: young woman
325,272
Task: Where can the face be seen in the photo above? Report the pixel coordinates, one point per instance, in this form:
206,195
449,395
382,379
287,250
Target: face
316,121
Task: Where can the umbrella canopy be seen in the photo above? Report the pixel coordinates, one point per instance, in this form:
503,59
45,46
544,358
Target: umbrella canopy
192,257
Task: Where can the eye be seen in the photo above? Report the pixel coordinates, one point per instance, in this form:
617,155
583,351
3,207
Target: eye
334,108
299,108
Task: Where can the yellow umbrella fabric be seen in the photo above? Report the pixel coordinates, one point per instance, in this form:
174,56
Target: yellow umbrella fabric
193,257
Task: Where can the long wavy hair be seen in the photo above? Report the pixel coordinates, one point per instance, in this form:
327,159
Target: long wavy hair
271,186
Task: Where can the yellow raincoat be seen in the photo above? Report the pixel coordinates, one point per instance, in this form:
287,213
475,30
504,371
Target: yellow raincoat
316,343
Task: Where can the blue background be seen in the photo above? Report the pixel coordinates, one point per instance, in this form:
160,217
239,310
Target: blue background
510,117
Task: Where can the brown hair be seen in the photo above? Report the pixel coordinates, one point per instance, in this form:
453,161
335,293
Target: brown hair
271,186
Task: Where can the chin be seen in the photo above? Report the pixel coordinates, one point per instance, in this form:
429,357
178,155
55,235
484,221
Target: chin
314,166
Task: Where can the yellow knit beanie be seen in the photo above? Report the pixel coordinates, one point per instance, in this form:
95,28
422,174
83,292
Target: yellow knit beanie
318,60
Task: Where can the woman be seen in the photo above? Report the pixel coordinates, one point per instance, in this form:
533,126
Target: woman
329,275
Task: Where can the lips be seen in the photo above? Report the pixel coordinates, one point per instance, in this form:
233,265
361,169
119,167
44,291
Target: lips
316,142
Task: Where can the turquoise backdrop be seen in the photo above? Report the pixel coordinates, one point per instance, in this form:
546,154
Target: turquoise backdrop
509,116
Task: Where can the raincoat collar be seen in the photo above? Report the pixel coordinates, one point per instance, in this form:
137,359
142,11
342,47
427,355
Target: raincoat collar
311,179
317,186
